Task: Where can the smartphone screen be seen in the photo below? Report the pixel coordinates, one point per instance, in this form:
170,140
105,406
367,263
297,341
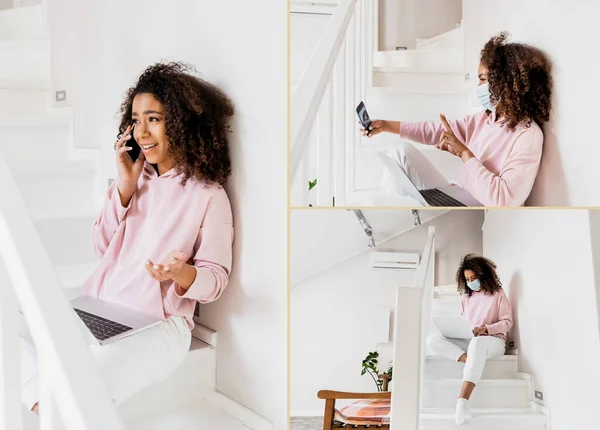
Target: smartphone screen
363,116
135,151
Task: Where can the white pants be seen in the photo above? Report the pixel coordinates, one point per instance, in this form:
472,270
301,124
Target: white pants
418,168
478,350
127,365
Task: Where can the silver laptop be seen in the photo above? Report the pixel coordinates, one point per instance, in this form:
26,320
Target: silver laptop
103,322
452,195
453,327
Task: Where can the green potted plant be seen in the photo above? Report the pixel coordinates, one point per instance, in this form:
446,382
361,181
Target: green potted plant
370,366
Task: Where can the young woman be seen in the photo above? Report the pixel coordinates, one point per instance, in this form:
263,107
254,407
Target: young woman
501,146
488,312
165,233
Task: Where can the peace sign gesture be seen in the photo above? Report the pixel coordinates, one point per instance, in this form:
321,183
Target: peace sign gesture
449,142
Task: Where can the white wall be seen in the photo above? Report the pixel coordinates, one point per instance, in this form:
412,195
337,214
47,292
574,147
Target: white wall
401,22
333,314
544,260
249,62
569,35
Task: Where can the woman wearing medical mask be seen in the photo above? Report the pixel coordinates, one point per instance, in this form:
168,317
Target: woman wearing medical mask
501,146
489,314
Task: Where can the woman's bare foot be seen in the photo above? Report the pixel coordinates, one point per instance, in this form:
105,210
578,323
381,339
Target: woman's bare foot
35,409
463,358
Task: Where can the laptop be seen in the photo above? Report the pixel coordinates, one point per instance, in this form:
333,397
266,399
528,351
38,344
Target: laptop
103,322
451,195
453,327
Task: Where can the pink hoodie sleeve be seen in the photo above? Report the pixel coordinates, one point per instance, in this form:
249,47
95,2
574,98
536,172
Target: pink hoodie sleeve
430,133
514,183
108,220
213,253
505,320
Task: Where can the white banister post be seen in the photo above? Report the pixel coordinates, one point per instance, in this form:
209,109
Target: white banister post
407,339
50,418
10,375
325,149
371,7
351,131
340,115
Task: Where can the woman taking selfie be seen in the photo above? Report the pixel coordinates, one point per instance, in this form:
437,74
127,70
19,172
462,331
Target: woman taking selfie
489,314
501,146
164,236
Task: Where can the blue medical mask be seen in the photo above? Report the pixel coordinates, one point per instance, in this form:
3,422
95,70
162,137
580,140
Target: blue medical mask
483,94
475,285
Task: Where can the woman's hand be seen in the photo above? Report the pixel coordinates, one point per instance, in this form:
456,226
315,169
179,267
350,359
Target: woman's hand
171,267
128,171
480,331
378,126
450,143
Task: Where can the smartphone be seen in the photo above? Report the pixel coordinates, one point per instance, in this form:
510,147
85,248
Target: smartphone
134,153
363,117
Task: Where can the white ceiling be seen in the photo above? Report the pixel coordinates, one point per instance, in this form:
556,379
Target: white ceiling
320,238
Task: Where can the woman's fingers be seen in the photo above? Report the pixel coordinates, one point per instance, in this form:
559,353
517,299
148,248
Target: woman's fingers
445,123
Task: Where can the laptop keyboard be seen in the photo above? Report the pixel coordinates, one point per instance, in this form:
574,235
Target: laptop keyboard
437,198
101,328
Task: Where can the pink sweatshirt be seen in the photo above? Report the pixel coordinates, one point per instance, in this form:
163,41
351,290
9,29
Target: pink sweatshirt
505,164
162,217
492,310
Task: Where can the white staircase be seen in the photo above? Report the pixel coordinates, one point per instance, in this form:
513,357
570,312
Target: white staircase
501,400
63,189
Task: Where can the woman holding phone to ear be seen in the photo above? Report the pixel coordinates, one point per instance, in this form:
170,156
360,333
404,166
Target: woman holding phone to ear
164,236
501,146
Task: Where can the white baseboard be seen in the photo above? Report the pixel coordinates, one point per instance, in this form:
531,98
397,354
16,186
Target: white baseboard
205,334
232,408
538,407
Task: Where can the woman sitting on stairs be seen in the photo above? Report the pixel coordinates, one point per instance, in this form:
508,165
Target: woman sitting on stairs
164,236
501,146
489,314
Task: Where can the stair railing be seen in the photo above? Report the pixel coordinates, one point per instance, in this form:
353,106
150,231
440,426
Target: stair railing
72,393
323,127
411,327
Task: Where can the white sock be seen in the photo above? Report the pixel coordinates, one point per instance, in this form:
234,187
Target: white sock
463,414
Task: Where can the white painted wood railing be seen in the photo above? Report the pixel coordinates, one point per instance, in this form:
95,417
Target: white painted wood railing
411,327
72,394
322,110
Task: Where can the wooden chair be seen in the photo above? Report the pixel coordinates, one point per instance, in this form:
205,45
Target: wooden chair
370,411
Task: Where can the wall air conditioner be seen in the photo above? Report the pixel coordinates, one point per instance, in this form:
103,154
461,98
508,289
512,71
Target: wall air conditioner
394,260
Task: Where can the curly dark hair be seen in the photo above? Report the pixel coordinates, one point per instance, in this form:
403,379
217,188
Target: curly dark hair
484,268
196,120
520,80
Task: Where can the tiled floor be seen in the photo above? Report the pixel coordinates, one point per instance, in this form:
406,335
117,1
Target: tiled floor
306,423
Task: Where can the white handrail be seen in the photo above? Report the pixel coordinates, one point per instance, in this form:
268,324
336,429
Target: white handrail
410,331
309,93
68,368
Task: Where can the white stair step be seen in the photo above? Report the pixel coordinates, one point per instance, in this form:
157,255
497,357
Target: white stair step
420,61
452,39
67,192
489,393
67,241
409,82
197,415
505,367
74,275
61,167
21,144
186,385
486,419
23,101
22,23
25,59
